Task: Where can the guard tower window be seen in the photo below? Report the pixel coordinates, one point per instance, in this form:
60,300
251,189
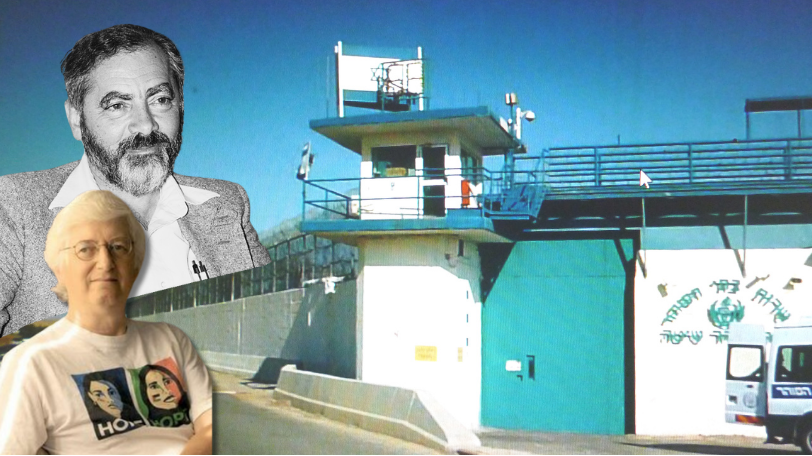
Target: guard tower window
393,161
471,167
433,161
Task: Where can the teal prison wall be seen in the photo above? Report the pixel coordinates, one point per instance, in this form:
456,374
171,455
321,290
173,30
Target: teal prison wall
562,302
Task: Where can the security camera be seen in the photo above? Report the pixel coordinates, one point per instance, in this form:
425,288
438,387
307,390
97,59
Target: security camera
530,116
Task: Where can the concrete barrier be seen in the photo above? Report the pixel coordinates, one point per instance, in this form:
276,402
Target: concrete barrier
262,369
411,415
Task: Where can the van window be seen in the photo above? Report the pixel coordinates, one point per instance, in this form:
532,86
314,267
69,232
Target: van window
794,364
744,363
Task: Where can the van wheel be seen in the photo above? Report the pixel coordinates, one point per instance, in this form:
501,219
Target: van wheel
805,438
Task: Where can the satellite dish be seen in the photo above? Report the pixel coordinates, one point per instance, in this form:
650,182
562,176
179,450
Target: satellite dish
307,162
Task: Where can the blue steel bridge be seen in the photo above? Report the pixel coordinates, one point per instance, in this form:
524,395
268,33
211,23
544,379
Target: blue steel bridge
597,187
716,184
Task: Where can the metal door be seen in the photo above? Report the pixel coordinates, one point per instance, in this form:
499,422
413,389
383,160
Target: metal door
745,390
433,182
553,338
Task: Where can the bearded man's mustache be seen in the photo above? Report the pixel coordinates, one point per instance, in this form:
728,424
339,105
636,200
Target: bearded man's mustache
136,174
139,141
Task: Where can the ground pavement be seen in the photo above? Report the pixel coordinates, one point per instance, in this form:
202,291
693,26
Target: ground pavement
249,421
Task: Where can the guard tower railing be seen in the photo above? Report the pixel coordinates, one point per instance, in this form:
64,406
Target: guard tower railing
698,166
492,193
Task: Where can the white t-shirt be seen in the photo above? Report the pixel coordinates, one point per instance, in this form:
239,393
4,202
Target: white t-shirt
68,390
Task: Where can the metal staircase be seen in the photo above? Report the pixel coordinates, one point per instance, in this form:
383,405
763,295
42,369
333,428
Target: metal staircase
517,194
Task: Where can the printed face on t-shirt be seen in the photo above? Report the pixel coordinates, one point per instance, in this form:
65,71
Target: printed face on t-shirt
106,397
120,400
109,402
162,391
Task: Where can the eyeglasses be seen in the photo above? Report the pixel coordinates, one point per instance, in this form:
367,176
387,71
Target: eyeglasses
87,250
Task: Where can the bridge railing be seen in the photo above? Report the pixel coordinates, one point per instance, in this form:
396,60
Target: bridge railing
679,163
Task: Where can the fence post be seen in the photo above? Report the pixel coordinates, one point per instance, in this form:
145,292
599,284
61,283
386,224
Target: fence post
287,266
419,197
597,167
313,266
690,163
302,260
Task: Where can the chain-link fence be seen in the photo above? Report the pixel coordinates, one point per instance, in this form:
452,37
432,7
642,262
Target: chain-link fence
293,262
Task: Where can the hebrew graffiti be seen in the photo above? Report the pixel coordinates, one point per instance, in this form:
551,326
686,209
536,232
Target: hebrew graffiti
778,311
676,338
721,336
762,296
682,303
724,311
724,286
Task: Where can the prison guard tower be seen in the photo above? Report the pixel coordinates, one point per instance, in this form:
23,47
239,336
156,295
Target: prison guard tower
558,292
417,214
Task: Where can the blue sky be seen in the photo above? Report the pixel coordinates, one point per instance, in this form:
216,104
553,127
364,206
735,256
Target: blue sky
257,73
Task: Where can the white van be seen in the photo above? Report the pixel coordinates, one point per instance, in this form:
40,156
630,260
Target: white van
776,394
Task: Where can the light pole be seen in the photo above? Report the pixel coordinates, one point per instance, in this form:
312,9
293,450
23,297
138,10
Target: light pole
515,122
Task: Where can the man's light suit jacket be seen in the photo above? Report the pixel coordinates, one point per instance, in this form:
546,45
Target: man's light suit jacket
219,232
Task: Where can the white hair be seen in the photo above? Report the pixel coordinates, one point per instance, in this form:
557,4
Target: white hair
91,206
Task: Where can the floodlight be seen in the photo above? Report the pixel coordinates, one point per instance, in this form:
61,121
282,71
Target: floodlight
529,115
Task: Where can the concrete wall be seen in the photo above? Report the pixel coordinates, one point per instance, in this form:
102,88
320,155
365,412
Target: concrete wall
421,323
680,337
260,334
400,412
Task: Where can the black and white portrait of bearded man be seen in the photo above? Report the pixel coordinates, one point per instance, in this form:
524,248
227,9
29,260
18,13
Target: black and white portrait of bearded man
125,104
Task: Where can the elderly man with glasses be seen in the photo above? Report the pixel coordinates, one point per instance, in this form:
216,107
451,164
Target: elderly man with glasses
76,387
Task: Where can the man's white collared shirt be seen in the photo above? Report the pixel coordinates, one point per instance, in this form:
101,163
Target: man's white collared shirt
168,259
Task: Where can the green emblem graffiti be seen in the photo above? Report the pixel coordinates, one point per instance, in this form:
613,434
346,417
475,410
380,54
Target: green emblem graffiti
726,313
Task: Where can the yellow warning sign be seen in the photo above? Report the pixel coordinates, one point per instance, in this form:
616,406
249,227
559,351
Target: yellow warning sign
459,354
425,353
